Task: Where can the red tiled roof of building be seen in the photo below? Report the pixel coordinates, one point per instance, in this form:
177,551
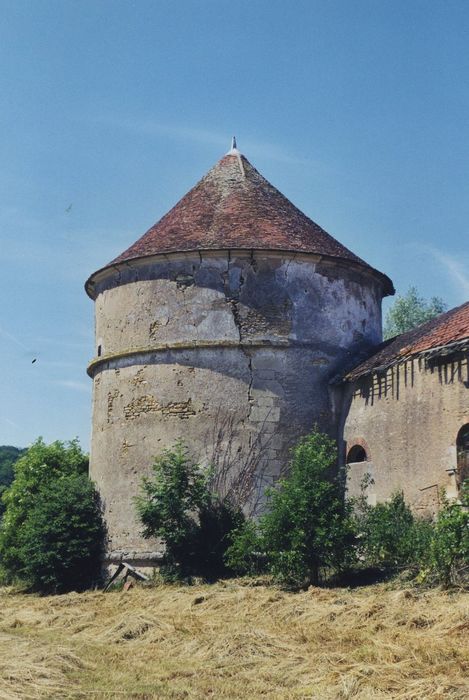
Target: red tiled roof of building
446,329
235,207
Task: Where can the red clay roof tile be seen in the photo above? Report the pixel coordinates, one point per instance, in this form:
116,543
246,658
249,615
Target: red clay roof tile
235,207
445,329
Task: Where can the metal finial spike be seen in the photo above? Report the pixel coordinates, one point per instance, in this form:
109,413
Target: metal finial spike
234,152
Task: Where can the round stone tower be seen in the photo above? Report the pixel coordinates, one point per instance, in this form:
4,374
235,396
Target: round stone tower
222,325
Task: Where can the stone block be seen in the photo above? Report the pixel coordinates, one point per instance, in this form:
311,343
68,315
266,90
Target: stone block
267,361
265,413
262,399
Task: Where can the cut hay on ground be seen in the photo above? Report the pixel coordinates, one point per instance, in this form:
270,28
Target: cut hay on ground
232,640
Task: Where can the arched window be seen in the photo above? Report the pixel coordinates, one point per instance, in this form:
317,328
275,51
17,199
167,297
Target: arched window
357,453
462,451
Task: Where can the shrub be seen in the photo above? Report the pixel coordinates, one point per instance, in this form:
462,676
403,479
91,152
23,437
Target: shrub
390,537
217,520
245,553
307,527
177,506
61,544
449,550
52,530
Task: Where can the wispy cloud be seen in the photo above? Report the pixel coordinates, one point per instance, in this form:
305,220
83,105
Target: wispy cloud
154,128
59,342
456,266
271,151
10,423
60,364
74,385
209,137
12,338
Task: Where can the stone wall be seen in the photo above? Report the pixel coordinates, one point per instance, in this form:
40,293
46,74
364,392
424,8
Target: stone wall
232,353
407,418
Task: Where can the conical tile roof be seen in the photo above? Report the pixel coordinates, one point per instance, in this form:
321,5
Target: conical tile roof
235,207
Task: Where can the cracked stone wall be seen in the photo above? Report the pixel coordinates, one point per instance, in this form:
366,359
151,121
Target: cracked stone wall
201,345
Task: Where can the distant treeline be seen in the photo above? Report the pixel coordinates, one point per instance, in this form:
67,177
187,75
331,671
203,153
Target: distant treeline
8,456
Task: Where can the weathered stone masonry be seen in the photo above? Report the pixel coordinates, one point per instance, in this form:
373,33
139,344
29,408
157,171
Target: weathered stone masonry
407,410
249,338
261,351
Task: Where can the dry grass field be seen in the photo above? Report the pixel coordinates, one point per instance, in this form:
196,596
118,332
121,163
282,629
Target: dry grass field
232,640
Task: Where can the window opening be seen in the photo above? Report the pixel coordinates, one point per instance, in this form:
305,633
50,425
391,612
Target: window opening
357,454
462,451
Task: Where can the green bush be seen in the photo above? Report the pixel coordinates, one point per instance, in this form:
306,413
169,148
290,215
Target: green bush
217,520
177,506
61,544
390,538
449,550
245,553
307,527
52,532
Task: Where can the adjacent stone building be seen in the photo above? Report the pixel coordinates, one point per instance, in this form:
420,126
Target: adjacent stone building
406,414
222,325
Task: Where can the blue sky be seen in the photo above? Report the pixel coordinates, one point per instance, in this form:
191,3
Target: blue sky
111,110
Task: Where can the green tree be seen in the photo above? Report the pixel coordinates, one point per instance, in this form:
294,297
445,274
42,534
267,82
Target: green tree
177,506
62,540
411,310
42,508
307,527
8,456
